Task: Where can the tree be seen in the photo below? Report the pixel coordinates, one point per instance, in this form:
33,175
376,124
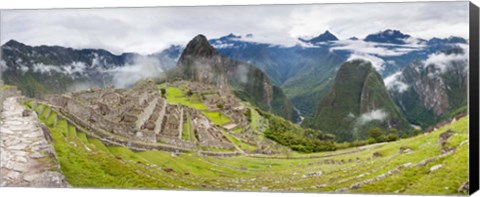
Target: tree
377,134
189,93
163,92
417,132
392,134
220,105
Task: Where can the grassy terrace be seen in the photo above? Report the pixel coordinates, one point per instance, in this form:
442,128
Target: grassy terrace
188,133
175,95
88,162
242,145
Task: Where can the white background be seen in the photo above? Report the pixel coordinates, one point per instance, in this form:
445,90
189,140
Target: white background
36,4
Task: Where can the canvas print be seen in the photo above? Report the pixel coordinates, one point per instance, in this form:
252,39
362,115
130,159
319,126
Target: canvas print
326,98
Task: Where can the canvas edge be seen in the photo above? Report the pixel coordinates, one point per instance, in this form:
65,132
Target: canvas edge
474,98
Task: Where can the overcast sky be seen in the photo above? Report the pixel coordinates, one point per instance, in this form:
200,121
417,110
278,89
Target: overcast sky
148,30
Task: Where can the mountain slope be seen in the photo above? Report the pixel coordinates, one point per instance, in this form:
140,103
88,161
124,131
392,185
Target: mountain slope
201,62
358,101
431,91
38,70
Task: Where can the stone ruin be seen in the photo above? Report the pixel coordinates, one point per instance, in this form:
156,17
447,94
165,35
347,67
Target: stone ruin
141,114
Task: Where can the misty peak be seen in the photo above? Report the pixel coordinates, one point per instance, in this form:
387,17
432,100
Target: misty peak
13,43
230,36
324,37
388,36
199,46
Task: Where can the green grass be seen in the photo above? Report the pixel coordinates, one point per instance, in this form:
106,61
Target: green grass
255,118
98,144
51,119
29,104
62,125
242,145
188,132
72,131
83,137
45,112
97,165
176,95
124,153
4,87
217,118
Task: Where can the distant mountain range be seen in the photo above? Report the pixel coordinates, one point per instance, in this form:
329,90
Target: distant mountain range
304,73
52,69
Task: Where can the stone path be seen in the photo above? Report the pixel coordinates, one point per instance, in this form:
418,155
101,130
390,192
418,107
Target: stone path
27,159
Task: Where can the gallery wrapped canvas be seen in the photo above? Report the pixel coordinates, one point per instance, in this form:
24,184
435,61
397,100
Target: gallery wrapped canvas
377,98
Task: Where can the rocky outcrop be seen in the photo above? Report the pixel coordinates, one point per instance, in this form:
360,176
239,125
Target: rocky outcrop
27,158
432,91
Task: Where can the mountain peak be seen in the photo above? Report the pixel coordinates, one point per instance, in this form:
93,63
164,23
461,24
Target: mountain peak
199,46
449,40
324,37
13,43
230,36
388,36
357,101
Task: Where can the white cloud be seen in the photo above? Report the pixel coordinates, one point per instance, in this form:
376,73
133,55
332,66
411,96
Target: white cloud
24,68
443,61
43,68
147,30
374,115
75,67
393,82
376,62
141,68
71,69
372,48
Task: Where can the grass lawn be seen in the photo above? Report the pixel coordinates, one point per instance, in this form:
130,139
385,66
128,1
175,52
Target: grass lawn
176,95
217,118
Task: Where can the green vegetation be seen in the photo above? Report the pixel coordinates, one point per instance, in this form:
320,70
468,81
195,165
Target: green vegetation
4,87
72,131
255,118
188,133
347,110
242,145
217,117
296,137
92,164
176,95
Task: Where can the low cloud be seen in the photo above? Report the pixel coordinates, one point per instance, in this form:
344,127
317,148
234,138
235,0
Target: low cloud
140,68
71,70
443,61
375,115
377,62
394,82
378,49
